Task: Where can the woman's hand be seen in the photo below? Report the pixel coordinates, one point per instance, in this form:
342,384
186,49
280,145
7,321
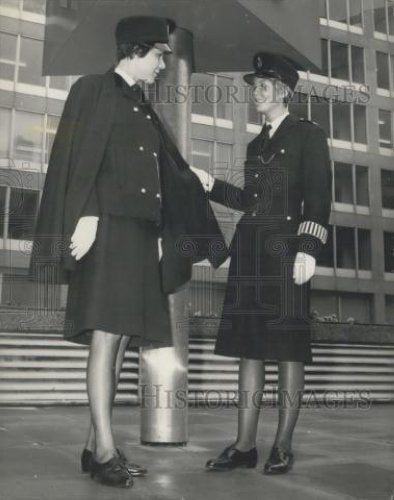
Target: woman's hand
206,179
304,268
84,236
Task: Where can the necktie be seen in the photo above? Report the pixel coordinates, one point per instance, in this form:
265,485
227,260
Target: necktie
264,138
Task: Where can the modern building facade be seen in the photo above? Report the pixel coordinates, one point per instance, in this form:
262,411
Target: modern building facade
353,99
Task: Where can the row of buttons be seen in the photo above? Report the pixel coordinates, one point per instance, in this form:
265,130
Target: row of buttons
135,109
144,191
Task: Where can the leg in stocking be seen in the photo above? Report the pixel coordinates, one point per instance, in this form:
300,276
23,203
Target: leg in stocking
91,442
101,382
250,386
291,386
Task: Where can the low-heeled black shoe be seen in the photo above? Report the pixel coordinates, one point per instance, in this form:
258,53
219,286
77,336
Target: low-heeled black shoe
279,461
231,458
132,469
111,473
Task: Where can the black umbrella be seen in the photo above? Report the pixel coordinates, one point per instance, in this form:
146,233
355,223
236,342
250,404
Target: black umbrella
79,35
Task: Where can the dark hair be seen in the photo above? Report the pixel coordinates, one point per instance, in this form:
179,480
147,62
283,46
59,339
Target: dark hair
132,49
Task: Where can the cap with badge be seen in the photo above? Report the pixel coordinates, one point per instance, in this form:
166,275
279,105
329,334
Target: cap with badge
145,29
270,65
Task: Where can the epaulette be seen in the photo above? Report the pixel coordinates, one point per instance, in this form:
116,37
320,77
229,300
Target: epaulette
305,120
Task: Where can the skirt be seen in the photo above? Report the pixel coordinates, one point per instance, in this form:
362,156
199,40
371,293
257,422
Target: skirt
116,286
265,315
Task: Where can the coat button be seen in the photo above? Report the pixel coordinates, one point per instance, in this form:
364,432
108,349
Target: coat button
149,117
143,190
141,148
288,217
135,109
255,195
282,151
256,175
158,196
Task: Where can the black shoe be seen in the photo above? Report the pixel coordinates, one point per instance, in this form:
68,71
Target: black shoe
132,469
279,461
111,473
231,458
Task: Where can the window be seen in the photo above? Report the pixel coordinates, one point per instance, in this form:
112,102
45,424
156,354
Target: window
202,154
351,184
339,61
345,247
52,124
364,249
35,6
343,61
344,114
387,185
324,56
212,96
3,197
5,132
22,213
224,103
320,113
360,123
28,136
341,120
30,65
326,255
214,157
343,183
389,252
341,307
382,70
385,129
362,185
7,56
357,61
345,12
356,13
384,16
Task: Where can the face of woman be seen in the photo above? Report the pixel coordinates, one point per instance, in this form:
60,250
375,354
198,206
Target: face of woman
147,68
267,95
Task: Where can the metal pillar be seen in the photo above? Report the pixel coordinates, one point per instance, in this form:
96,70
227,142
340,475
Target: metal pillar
163,372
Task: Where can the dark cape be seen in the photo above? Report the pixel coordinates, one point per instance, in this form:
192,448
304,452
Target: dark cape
190,231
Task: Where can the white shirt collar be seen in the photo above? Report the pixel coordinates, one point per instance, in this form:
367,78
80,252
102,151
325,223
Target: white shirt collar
276,123
127,78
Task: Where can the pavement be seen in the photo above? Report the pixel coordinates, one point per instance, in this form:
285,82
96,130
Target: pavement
341,453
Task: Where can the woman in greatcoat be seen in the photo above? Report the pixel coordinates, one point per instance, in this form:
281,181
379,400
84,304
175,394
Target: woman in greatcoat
286,203
118,205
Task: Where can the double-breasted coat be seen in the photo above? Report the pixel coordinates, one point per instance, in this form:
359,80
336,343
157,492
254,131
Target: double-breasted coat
113,158
286,201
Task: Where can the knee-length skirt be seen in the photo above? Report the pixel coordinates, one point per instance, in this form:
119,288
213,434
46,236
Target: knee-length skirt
265,315
116,286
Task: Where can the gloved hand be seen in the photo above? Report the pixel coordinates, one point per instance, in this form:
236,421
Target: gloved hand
304,268
206,179
84,236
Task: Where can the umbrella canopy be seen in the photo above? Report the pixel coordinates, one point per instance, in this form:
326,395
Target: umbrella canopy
79,35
